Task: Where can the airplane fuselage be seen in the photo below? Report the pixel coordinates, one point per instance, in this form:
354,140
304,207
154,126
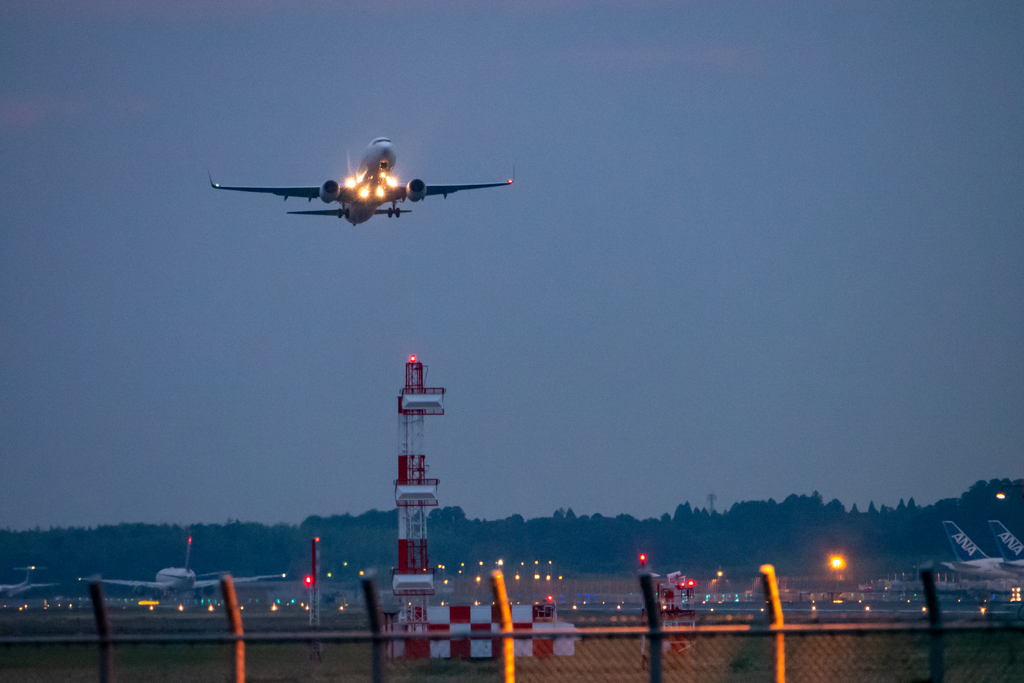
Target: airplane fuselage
176,579
373,185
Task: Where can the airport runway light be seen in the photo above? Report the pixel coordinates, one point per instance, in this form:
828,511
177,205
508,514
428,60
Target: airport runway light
719,574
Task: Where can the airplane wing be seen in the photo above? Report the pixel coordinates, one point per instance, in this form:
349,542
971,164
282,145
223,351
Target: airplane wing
286,192
135,584
448,189
241,579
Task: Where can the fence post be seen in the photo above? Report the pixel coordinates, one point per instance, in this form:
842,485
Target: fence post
227,589
653,624
508,644
935,624
774,605
373,610
99,610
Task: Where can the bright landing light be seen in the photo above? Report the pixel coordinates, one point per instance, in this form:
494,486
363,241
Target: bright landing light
350,182
380,191
365,192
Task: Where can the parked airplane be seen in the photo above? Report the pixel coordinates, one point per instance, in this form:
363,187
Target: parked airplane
13,589
181,579
970,560
361,195
1010,549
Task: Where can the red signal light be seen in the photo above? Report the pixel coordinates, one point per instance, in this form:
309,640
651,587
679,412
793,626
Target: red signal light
643,559
551,599
691,583
309,580
412,359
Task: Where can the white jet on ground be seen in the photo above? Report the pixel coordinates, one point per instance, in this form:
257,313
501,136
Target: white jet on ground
361,195
13,589
181,579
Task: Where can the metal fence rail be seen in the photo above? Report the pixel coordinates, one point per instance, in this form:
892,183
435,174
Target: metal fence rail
883,652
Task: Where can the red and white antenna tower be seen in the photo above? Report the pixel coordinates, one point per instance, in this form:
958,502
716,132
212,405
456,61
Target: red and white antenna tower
413,579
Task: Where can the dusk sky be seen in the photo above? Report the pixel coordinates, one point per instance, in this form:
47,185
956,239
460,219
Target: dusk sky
753,248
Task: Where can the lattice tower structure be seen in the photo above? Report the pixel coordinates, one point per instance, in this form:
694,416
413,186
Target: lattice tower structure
413,579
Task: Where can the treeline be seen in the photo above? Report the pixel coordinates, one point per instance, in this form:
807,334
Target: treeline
797,535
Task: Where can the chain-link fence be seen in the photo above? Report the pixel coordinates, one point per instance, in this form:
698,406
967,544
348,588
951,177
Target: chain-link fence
833,654
548,651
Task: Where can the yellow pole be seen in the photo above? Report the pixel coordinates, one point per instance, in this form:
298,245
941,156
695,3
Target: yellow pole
501,598
771,595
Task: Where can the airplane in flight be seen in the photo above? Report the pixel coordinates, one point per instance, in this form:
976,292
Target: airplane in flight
362,195
970,560
1010,549
181,579
14,589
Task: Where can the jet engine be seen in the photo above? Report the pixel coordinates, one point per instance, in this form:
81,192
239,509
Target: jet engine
416,190
329,191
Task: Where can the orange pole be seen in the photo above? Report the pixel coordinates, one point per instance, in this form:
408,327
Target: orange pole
227,588
508,644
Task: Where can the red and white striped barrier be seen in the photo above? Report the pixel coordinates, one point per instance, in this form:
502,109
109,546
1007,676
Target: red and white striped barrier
468,626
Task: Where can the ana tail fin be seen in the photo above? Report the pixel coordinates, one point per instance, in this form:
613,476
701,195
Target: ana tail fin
1010,548
963,548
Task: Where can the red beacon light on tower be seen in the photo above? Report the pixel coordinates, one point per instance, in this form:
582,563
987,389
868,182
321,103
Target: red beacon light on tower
309,580
643,560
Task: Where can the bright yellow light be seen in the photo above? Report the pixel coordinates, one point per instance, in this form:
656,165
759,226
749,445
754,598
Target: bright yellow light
446,582
501,563
719,573
1000,495
517,577
273,608
536,576
365,192
837,562
478,579
481,563
380,191
391,181
149,602
328,575
559,578
211,608
549,577
360,572
350,183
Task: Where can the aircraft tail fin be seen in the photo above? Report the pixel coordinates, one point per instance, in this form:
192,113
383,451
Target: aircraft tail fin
964,548
1010,548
